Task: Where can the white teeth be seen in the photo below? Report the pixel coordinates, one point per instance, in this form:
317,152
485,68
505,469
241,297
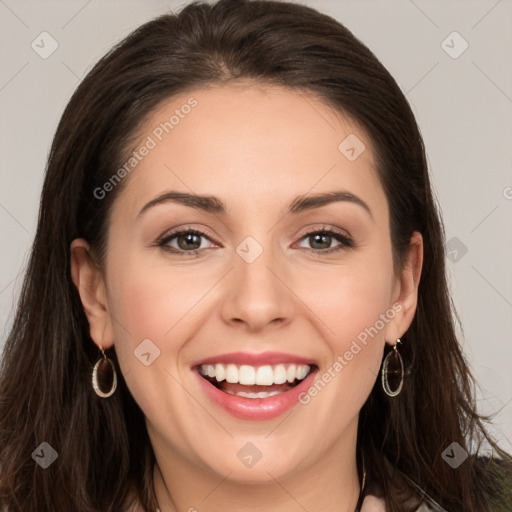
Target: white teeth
247,375
291,373
250,375
302,371
261,394
220,372
231,373
265,376
280,375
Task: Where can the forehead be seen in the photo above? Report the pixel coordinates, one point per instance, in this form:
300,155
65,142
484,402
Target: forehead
249,143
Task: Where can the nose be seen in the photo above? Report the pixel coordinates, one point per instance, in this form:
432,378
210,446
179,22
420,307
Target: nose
257,296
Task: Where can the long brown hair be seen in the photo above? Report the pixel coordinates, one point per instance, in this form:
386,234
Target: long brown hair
45,380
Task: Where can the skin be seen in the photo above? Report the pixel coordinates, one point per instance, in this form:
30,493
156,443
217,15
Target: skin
256,149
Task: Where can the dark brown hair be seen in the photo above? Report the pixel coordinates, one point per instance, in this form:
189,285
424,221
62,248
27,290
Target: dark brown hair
45,379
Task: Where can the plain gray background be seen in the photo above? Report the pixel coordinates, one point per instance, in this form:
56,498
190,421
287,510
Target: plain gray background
462,101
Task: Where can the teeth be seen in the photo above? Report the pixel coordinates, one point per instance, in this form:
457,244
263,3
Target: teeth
247,375
231,374
280,374
302,372
264,376
250,375
291,373
220,372
261,394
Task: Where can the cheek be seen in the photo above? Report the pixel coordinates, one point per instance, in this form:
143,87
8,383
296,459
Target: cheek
144,310
353,308
350,300
155,309
148,301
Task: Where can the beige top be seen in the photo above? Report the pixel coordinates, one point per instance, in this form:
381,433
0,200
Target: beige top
374,504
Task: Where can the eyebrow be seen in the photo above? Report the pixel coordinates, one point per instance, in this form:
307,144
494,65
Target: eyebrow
212,204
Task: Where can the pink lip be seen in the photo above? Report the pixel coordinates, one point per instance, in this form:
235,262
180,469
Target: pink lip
256,409
255,359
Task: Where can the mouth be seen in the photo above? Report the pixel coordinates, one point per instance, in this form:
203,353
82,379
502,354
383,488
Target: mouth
264,389
255,381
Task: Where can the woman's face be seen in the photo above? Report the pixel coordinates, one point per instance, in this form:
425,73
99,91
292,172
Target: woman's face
249,174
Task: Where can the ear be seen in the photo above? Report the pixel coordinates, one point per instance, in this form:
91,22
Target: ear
405,292
91,287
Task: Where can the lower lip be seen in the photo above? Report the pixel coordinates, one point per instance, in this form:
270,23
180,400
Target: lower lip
256,409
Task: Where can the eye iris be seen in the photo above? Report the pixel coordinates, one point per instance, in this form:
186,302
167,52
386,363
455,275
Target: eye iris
321,239
189,238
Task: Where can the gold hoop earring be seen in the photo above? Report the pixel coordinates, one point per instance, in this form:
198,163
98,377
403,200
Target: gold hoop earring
100,365
393,372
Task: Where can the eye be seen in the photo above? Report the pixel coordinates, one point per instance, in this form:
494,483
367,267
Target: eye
184,241
191,241
320,240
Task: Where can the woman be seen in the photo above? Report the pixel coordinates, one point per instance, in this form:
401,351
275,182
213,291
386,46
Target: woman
241,267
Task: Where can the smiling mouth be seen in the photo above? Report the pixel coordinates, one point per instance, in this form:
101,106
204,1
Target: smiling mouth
255,381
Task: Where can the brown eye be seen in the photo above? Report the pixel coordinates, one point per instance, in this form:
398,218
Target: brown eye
189,241
185,241
321,241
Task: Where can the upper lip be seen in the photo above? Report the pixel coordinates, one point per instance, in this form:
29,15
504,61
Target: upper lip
256,359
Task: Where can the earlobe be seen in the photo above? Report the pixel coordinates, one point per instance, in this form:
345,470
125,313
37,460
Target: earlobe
92,290
407,289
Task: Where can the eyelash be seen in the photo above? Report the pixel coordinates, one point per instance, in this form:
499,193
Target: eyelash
346,242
